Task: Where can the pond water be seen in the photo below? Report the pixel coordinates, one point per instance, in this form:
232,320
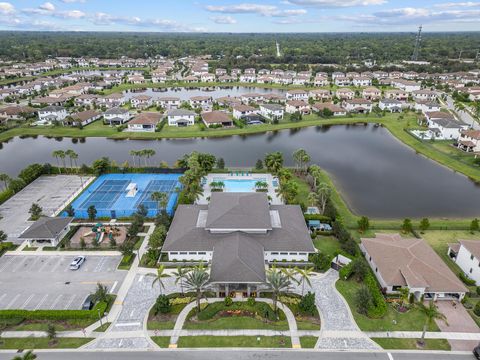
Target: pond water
377,174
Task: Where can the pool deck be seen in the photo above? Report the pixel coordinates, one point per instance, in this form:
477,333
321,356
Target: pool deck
207,191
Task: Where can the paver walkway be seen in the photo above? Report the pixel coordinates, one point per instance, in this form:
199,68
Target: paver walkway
339,330
292,323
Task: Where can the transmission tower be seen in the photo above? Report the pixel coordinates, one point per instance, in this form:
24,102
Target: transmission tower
418,42
279,54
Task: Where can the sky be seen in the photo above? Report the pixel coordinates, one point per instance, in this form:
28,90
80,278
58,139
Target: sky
240,16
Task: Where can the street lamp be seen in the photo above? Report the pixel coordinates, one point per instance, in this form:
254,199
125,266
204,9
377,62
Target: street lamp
99,317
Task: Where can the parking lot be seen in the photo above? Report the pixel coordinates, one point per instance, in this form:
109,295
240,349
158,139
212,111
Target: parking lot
45,281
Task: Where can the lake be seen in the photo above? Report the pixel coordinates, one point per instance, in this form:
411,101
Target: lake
378,175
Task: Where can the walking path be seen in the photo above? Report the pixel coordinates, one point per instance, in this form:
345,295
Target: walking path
292,323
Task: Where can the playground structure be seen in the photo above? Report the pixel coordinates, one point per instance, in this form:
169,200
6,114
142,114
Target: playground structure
101,234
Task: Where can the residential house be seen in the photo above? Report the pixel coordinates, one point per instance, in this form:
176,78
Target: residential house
391,105
216,119
116,116
46,231
86,100
82,118
50,114
238,233
251,98
113,100
320,80
136,79
17,112
320,94
300,106
362,81
400,263
466,254
360,106
204,102
240,111
206,77
220,72
406,85
272,112
297,95
345,94
427,106
444,125
168,102
372,93
425,95
469,141
342,81
144,122
180,117
141,101
400,95
334,109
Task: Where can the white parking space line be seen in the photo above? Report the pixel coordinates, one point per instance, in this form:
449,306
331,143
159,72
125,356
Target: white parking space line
27,301
112,289
2,297
34,265
12,301
41,302
55,302
70,302
390,357
100,264
44,265
19,265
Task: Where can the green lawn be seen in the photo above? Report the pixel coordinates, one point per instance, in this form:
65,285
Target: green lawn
60,325
329,245
413,320
103,327
303,190
236,322
308,342
42,343
162,341
164,321
160,325
411,344
234,341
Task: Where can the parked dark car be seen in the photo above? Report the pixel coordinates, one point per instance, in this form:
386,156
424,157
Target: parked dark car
88,303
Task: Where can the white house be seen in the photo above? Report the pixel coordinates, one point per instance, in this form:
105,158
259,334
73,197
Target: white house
427,106
82,118
203,102
239,111
358,105
144,122
426,95
335,109
362,81
345,94
116,116
469,141
49,114
180,117
466,254
300,106
297,95
391,105
272,111
141,101
407,85
168,102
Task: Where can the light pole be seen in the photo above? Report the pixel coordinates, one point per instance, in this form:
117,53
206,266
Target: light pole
99,317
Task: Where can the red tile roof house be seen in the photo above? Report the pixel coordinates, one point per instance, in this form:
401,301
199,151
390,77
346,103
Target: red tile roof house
399,263
358,105
372,93
141,101
216,119
345,94
469,141
83,118
144,122
298,106
335,109
16,112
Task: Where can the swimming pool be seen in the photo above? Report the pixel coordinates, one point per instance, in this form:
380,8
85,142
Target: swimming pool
239,185
111,198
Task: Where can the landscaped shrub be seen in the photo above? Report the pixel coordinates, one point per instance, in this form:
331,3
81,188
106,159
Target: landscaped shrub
181,300
261,309
363,300
307,304
320,261
476,310
346,271
228,301
162,305
290,300
379,305
251,301
466,280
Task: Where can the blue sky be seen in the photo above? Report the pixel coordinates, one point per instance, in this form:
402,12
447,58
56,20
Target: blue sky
240,16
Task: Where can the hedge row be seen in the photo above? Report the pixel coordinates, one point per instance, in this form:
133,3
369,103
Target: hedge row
379,305
322,218
54,314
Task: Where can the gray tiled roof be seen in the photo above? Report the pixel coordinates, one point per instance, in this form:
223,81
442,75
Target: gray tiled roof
238,259
46,228
238,211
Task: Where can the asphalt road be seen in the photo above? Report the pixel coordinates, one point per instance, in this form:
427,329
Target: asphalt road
242,355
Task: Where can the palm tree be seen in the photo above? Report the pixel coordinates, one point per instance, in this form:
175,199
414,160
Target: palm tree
323,192
62,155
180,276
57,154
313,198
316,172
284,175
431,313
161,198
279,283
133,154
72,155
149,153
274,161
196,280
29,355
304,276
5,179
301,159
159,277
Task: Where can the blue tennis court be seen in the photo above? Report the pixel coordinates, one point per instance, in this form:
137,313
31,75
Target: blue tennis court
119,195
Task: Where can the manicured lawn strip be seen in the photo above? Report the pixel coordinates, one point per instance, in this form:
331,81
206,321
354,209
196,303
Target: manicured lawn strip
66,325
166,321
127,261
103,327
234,341
162,341
28,248
42,343
303,190
308,342
413,320
411,344
236,322
306,325
160,325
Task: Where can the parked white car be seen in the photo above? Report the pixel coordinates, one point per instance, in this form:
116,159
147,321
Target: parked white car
77,262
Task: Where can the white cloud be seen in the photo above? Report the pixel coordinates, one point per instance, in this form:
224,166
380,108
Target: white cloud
6,8
72,1
248,8
335,3
228,20
48,6
73,14
457,5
